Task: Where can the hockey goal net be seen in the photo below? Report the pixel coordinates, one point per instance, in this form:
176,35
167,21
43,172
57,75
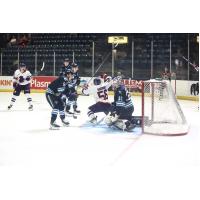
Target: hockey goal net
161,112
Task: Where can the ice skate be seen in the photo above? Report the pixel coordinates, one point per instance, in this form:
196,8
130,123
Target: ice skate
129,126
93,119
77,111
54,126
69,112
9,107
65,122
30,107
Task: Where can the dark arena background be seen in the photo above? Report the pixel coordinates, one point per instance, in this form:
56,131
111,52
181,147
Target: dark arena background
143,56
136,56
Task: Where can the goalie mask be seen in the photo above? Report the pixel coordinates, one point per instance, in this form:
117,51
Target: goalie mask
117,81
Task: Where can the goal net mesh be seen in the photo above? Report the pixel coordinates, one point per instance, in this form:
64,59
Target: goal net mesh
161,112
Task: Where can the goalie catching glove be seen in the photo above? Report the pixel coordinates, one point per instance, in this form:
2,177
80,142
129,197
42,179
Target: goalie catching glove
111,118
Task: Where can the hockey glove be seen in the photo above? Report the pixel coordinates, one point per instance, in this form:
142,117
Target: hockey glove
108,79
85,86
74,95
15,85
63,97
28,78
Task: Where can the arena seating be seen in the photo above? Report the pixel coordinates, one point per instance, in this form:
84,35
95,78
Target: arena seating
43,46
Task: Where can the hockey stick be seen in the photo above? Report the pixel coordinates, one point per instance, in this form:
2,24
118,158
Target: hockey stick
104,60
101,120
43,64
72,115
89,124
41,69
195,66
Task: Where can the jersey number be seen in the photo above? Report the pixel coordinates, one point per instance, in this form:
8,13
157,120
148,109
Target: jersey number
103,94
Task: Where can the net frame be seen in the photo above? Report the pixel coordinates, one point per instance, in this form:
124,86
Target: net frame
152,91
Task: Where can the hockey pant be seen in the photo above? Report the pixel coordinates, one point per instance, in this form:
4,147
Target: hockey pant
99,107
17,91
72,101
57,105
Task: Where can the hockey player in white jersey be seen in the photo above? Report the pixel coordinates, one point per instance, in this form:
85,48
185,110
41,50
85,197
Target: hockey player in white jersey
21,82
99,88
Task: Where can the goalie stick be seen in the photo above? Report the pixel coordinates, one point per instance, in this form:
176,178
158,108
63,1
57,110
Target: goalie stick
89,124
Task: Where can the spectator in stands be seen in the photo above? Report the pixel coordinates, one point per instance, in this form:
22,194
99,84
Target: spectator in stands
166,75
13,41
23,41
194,89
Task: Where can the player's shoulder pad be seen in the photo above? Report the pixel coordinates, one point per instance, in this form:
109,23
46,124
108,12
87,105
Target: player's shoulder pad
28,72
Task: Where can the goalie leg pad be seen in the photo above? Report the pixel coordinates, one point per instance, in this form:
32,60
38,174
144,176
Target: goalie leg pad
108,120
111,119
120,125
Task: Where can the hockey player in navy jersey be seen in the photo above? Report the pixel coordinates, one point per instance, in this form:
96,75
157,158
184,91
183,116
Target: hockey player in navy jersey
21,82
99,88
54,94
73,95
66,66
121,115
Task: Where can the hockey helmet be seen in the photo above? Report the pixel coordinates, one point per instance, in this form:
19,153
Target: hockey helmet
22,65
104,76
74,64
74,67
97,81
66,60
68,71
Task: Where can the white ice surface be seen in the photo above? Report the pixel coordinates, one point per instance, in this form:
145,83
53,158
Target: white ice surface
93,162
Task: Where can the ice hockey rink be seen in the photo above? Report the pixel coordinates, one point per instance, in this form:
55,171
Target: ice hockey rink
87,162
